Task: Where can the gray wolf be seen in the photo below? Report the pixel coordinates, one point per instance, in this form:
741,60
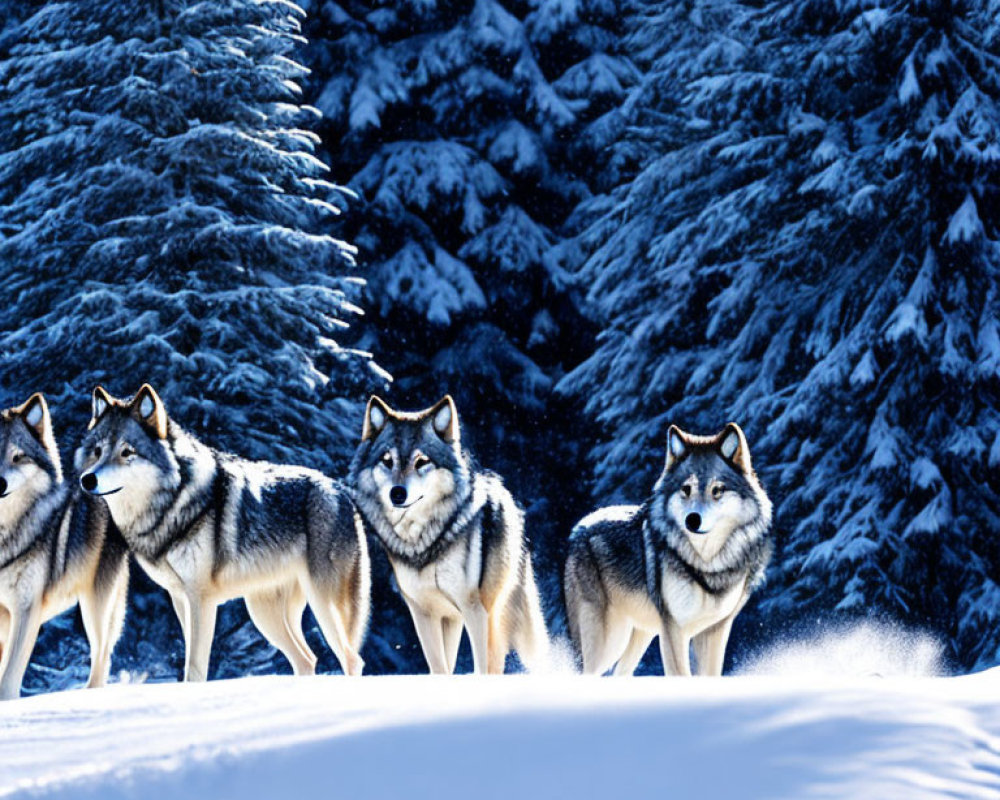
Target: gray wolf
57,547
454,537
681,566
208,527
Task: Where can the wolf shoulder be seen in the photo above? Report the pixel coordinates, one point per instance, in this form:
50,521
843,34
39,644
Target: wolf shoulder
287,488
501,521
610,540
610,521
493,492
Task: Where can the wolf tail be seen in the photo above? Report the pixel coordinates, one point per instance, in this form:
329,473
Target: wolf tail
358,624
529,634
569,592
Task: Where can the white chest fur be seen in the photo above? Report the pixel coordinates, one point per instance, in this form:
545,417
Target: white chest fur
693,608
446,585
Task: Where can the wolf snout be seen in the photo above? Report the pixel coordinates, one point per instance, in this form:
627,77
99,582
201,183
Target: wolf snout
693,522
398,495
3,486
89,482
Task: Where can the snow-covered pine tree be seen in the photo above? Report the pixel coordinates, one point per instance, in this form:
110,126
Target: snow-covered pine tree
13,11
667,45
465,129
161,220
160,213
822,265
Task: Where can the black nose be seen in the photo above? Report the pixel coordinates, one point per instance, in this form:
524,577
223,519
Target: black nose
398,495
89,481
693,522
3,486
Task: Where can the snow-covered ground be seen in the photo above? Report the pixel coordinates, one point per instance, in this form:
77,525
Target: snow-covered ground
552,736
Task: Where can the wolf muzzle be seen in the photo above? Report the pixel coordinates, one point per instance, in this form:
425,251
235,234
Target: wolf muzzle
90,484
3,487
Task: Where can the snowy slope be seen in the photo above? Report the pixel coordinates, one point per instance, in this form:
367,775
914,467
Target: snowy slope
515,736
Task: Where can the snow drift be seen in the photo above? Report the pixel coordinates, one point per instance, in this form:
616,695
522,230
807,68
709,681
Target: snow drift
515,736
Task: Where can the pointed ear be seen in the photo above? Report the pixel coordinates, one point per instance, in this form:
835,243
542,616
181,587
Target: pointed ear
148,408
677,446
376,415
35,413
733,446
444,418
100,403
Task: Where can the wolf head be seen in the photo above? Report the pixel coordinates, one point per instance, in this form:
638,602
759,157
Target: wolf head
126,456
708,489
29,459
409,465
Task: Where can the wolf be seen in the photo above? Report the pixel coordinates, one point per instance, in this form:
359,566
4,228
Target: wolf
454,537
58,547
208,526
681,566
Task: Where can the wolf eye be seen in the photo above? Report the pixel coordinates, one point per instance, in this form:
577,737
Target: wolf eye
97,451
17,458
421,462
387,460
686,490
718,490
127,452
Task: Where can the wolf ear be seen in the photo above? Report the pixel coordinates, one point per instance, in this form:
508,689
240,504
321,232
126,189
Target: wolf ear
35,413
376,415
100,402
677,445
733,446
148,408
444,418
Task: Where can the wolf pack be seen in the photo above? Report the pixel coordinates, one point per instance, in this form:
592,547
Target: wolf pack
209,526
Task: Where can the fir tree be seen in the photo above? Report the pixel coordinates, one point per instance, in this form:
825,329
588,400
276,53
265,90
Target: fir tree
160,208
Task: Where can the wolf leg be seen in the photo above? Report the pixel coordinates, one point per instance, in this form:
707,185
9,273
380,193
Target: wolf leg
602,638
201,628
497,643
477,623
295,605
102,608
451,636
335,632
267,609
91,615
431,636
4,628
180,605
24,624
710,647
638,644
675,650
593,639
116,619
